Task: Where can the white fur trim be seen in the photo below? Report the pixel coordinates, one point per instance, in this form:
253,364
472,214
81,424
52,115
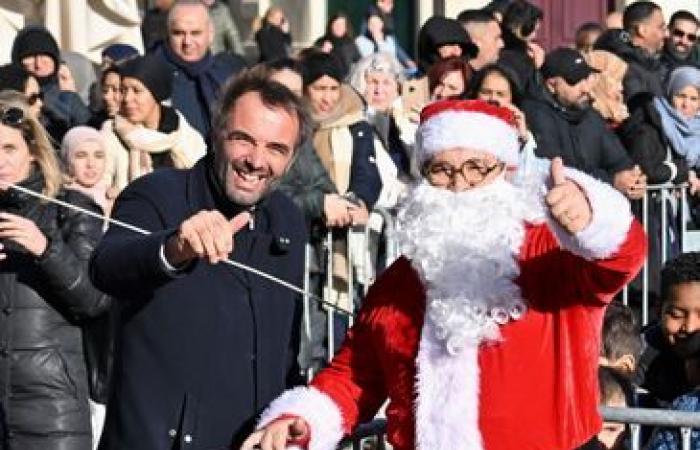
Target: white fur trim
609,225
447,402
474,130
320,412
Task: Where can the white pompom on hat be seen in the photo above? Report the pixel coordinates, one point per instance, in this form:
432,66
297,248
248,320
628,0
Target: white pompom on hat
473,124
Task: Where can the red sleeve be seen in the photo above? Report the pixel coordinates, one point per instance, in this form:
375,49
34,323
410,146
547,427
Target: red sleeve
596,280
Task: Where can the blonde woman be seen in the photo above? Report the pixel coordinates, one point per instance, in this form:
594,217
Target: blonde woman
46,293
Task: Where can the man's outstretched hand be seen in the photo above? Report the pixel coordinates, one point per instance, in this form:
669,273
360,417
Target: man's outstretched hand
206,235
567,202
278,434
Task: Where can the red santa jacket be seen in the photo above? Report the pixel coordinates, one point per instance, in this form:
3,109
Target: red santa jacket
536,389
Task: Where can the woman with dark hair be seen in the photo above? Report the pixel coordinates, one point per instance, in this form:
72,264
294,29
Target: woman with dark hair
497,8
109,95
497,83
375,39
339,40
449,78
521,23
47,296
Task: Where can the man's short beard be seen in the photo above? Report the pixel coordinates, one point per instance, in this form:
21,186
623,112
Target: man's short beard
222,168
464,246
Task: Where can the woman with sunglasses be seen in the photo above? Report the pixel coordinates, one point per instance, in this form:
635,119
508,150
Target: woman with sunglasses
13,77
45,293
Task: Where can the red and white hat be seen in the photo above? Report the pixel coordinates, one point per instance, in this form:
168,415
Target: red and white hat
473,124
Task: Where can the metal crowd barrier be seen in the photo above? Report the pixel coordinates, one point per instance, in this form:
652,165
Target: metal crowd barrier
388,236
636,418
668,193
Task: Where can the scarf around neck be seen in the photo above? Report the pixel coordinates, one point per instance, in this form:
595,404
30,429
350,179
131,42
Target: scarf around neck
200,72
682,133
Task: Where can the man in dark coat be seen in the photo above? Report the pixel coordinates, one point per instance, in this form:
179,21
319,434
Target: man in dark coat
564,124
205,346
197,74
644,22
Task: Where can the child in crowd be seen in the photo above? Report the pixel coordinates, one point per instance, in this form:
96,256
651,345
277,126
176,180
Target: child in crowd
676,338
616,392
84,156
622,343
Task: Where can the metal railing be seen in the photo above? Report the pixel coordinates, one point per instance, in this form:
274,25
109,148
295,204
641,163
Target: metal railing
635,418
664,194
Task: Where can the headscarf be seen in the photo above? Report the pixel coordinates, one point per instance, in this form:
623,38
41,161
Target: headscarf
682,133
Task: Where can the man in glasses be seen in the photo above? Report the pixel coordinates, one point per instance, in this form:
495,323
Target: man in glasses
681,45
486,333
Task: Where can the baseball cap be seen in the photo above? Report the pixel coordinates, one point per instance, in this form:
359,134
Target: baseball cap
568,64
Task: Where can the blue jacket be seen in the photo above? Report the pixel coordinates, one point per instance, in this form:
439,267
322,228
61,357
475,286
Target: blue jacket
199,355
196,85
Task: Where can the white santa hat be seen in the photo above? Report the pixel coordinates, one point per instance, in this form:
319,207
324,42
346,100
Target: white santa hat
472,124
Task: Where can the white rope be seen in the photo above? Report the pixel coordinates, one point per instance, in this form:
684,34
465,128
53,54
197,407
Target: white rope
136,229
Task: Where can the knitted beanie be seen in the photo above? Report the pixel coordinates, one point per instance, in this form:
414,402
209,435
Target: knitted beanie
152,72
317,64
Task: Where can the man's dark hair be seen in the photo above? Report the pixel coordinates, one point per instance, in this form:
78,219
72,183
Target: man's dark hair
636,13
621,335
521,18
612,383
497,6
682,14
272,94
584,30
284,64
685,268
475,16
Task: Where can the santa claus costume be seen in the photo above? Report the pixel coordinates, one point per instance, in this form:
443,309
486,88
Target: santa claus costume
486,333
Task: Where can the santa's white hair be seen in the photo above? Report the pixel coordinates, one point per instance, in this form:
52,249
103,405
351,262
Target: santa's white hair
464,245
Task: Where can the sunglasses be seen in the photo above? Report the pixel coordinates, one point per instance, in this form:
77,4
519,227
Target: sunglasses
12,117
35,97
681,34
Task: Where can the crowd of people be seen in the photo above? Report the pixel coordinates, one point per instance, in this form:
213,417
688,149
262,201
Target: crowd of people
513,174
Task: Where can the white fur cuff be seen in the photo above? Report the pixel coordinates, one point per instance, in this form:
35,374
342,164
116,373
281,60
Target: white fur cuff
317,408
609,225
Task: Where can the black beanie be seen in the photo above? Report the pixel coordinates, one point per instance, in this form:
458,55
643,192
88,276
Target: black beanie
317,64
35,40
152,72
14,77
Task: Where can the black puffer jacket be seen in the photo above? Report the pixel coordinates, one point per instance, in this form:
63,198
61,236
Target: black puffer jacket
43,301
643,136
644,71
580,137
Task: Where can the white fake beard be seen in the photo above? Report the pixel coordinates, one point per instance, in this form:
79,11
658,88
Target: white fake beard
464,246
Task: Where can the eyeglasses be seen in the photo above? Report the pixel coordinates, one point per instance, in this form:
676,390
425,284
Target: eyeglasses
35,97
12,117
681,34
472,170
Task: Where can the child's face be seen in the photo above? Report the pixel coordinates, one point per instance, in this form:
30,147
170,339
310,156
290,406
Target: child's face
680,317
611,435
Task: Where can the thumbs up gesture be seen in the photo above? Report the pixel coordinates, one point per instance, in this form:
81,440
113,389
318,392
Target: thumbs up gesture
567,203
